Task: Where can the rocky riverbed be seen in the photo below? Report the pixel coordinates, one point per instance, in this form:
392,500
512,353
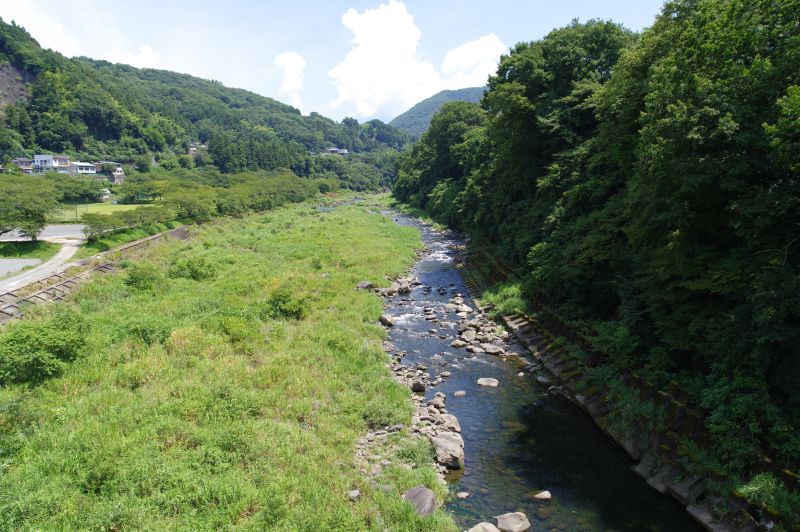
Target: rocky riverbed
513,450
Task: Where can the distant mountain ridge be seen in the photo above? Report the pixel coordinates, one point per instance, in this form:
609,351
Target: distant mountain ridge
417,119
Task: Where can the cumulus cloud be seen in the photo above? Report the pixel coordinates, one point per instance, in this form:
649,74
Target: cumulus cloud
41,24
382,72
293,66
470,64
144,57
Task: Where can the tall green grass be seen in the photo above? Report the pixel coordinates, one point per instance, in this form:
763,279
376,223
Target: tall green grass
229,398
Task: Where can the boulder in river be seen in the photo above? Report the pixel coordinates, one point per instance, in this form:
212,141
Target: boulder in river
422,499
458,342
387,320
488,382
417,386
543,496
513,522
459,393
484,527
449,448
468,335
493,349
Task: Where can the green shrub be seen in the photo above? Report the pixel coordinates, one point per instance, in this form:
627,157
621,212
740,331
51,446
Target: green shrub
149,329
31,351
194,267
143,276
283,304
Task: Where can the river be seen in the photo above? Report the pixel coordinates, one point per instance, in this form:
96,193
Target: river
519,439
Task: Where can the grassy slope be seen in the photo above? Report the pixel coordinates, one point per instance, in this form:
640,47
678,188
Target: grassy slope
213,424
73,213
119,238
28,250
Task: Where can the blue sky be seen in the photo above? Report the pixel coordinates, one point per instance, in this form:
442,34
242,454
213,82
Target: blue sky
368,59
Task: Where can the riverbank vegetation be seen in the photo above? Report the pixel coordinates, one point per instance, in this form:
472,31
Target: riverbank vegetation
218,382
645,187
28,250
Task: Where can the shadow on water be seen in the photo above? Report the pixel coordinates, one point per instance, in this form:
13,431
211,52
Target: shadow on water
518,438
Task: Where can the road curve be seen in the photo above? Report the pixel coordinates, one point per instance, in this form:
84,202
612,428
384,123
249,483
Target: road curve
46,269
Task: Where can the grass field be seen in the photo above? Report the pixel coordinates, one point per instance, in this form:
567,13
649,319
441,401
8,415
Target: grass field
73,213
223,384
28,250
119,238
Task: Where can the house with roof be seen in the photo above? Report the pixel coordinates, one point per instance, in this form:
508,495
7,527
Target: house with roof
337,151
25,165
81,168
51,163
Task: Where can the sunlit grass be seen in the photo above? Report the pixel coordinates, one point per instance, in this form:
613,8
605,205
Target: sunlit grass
198,406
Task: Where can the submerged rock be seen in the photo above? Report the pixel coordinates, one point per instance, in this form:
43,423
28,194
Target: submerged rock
422,499
484,527
543,496
489,382
513,522
459,393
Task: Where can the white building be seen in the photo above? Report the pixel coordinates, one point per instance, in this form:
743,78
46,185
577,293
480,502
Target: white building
81,168
51,163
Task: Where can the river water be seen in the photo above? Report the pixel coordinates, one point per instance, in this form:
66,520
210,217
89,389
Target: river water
519,439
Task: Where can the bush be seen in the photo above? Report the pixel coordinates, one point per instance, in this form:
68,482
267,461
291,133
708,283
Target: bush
148,329
143,276
283,304
31,351
192,267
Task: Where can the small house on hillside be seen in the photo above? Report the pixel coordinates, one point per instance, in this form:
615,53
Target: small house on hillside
51,163
81,168
25,165
337,151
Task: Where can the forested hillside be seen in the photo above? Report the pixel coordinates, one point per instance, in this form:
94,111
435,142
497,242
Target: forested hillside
417,119
102,111
646,188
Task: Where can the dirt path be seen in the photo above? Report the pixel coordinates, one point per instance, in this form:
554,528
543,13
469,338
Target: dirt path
41,271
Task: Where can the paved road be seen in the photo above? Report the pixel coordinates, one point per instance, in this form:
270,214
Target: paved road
52,233
42,271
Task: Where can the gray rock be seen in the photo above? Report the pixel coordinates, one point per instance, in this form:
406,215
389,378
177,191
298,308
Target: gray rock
489,382
449,448
450,422
458,343
422,499
365,285
484,527
543,496
459,393
437,402
468,335
513,522
417,386
387,320
354,495
462,494
493,349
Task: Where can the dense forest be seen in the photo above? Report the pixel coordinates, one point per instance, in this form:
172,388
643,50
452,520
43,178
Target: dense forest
645,187
417,119
101,111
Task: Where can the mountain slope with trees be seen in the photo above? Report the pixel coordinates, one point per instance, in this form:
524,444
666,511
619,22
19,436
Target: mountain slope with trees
98,110
417,119
645,187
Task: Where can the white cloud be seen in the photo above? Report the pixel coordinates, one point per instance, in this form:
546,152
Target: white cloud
145,57
470,64
382,72
293,65
41,24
